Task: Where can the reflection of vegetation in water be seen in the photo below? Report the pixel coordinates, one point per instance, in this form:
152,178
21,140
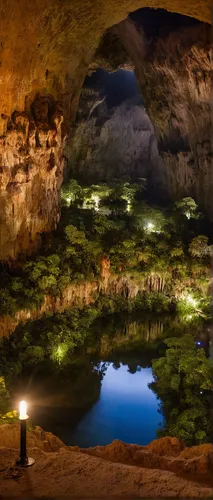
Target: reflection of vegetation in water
132,339
183,380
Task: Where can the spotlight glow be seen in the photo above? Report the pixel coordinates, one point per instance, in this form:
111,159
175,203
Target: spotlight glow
191,301
96,199
128,208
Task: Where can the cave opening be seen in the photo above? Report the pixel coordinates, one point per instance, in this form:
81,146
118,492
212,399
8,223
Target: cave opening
122,283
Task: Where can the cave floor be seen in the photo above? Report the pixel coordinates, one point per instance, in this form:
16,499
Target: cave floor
67,474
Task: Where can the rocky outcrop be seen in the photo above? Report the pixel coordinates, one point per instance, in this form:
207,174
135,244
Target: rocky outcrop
38,438
167,453
164,468
31,172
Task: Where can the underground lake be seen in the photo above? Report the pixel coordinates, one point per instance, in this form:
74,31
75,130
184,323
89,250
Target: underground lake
103,393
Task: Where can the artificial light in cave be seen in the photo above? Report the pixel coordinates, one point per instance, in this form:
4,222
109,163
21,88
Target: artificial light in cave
189,317
150,228
68,199
96,199
128,208
60,352
191,301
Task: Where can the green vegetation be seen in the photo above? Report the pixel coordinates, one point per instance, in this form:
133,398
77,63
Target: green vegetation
115,221
7,415
162,248
183,380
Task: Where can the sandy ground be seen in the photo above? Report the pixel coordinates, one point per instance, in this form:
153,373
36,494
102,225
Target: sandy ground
68,474
163,468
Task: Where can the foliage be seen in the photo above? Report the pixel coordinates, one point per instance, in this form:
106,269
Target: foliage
199,247
187,207
183,380
7,415
138,237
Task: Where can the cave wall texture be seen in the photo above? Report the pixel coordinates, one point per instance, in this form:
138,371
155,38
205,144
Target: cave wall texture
45,52
174,72
114,142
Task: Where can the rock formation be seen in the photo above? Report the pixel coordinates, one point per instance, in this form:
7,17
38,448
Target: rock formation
163,468
173,69
31,172
114,143
48,53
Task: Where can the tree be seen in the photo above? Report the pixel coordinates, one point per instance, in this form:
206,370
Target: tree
187,207
183,379
199,247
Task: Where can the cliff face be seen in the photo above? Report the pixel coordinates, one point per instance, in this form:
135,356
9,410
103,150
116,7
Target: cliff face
174,72
114,142
31,172
85,293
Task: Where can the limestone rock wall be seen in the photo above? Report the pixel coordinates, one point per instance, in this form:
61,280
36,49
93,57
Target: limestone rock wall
31,172
175,74
85,293
115,142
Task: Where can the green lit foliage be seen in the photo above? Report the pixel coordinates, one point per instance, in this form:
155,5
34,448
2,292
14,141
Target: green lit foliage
199,247
7,415
4,397
183,381
142,239
71,192
188,208
43,272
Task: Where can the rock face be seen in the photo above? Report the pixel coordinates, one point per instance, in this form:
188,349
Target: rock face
86,292
31,172
174,72
115,142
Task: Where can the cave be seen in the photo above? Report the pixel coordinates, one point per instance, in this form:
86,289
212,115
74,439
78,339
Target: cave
106,220
41,86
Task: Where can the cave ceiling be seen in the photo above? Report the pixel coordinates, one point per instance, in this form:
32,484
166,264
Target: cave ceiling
48,46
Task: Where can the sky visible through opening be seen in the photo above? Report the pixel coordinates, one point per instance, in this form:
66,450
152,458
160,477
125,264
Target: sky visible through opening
117,86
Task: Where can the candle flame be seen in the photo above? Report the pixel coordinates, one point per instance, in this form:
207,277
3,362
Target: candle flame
23,410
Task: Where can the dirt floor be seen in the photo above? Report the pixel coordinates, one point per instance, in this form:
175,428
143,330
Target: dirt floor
70,472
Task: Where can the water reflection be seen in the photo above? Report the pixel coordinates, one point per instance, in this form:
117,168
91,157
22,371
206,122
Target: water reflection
89,402
127,410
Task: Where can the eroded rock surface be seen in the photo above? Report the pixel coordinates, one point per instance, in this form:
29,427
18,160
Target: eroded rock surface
114,142
31,172
175,75
156,470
